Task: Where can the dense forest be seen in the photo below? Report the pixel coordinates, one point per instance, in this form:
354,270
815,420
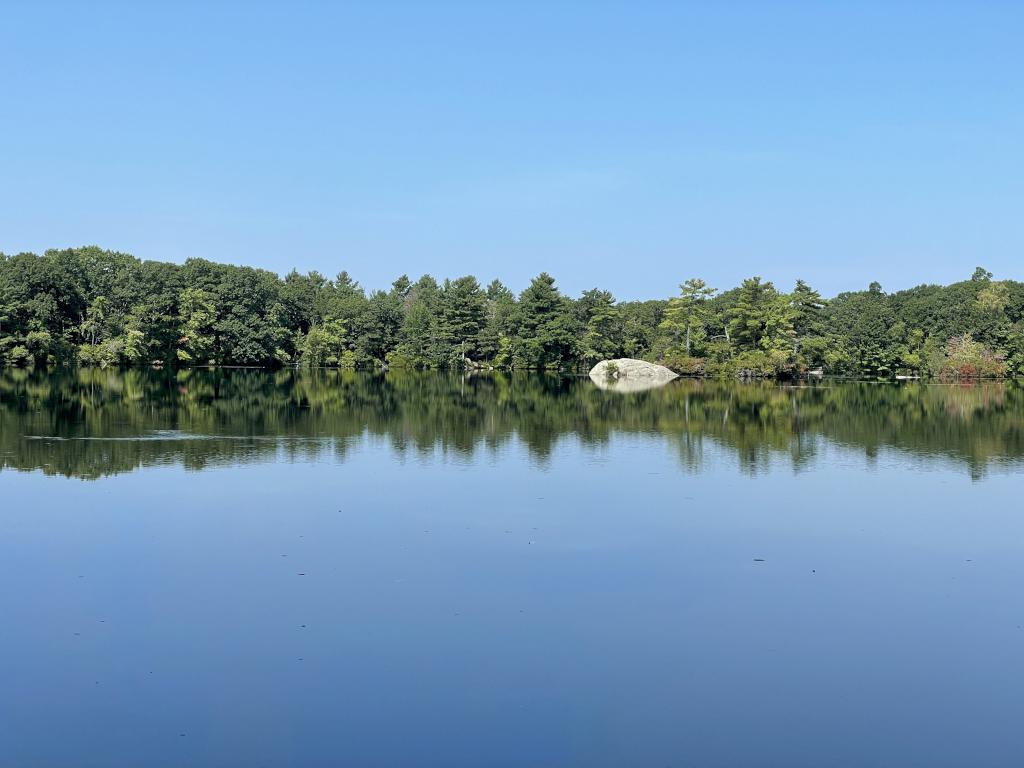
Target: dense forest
102,308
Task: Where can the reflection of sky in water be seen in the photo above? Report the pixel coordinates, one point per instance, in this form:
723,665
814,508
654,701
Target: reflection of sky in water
594,606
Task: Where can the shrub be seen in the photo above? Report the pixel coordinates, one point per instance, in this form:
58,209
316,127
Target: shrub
102,355
685,365
753,364
18,355
397,358
966,358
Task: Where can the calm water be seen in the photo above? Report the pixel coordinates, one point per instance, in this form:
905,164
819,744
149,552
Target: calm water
239,568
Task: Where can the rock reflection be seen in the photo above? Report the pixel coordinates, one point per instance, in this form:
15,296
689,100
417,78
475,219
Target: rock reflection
90,423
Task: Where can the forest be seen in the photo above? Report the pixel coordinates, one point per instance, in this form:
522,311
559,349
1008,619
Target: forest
94,307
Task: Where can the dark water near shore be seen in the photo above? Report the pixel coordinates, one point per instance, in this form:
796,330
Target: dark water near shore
237,568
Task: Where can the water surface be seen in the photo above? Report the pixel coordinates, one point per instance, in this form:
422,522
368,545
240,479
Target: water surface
237,568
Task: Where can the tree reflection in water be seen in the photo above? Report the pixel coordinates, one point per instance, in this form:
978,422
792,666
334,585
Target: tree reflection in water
89,423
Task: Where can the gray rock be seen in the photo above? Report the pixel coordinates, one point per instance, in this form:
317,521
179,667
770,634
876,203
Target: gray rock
628,375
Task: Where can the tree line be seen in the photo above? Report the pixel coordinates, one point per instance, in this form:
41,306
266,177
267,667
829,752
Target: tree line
103,308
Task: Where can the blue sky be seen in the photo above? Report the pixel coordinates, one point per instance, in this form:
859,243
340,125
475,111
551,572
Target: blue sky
623,145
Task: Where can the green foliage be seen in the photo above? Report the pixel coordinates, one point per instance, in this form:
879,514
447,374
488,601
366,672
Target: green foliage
966,358
133,344
761,318
15,354
599,318
810,346
41,347
685,365
103,355
463,316
323,344
640,328
103,308
198,340
548,334
687,315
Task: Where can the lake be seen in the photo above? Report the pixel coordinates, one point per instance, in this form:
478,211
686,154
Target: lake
243,568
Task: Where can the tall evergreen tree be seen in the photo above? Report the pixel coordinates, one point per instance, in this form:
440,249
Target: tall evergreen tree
463,315
547,335
749,316
687,314
602,328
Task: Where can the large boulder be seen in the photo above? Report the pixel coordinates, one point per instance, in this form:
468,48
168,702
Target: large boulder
629,375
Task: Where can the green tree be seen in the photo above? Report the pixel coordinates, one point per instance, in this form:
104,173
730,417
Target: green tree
105,307
379,324
861,322
463,315
300,297
497,338
323,344
602,334
808,317
808,310
419,343
994,298
197,339
155,312
400,288
547,334
761,318
686,314
95,315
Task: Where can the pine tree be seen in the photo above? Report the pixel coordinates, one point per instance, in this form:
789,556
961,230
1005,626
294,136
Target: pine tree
547,333
602,336
463,314
808,313
761,318
687,313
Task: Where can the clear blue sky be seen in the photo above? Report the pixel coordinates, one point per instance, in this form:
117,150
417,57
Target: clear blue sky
626,145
